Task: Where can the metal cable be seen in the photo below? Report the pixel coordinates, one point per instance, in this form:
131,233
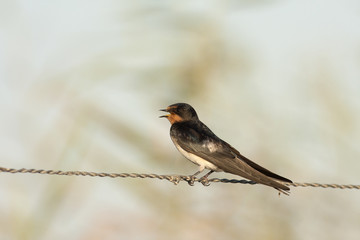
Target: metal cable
172,178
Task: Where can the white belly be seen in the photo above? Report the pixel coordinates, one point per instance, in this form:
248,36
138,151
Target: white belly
197,160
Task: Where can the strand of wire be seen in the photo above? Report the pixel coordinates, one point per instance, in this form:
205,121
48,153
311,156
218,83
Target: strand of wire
172,178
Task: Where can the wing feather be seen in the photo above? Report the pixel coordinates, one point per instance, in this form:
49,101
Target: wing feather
211,148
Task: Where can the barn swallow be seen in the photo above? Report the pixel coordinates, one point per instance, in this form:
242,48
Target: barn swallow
201,146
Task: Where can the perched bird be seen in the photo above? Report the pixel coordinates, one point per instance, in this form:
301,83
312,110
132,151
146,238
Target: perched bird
201,146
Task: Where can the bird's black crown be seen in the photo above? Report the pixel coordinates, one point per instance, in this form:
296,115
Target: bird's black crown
184,110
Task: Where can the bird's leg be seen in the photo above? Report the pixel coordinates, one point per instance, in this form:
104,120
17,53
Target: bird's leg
192,177
282,191
204,179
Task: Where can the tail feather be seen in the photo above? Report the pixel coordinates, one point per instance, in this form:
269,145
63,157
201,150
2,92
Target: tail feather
264,170
258,167
241,168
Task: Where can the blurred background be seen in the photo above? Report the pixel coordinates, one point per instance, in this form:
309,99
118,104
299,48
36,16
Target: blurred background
81,83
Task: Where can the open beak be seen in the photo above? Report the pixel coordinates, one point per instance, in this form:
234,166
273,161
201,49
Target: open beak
164,116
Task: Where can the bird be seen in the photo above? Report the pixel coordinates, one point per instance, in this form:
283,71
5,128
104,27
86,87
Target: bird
196,142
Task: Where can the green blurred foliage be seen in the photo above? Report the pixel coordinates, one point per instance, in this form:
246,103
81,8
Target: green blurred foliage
81,85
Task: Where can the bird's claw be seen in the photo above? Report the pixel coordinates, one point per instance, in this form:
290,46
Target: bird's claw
175,180
191,180
205,181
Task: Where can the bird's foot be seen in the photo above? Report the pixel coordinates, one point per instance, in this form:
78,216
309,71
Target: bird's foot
205,181
191,180
175,179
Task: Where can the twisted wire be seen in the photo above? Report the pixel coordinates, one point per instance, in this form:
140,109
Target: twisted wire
171,178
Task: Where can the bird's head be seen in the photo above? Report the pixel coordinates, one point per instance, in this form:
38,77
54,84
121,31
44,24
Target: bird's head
179,112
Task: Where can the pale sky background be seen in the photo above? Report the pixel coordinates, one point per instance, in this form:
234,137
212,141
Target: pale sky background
81,83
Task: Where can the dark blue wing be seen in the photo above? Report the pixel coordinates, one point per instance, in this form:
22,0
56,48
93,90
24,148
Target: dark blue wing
197,138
